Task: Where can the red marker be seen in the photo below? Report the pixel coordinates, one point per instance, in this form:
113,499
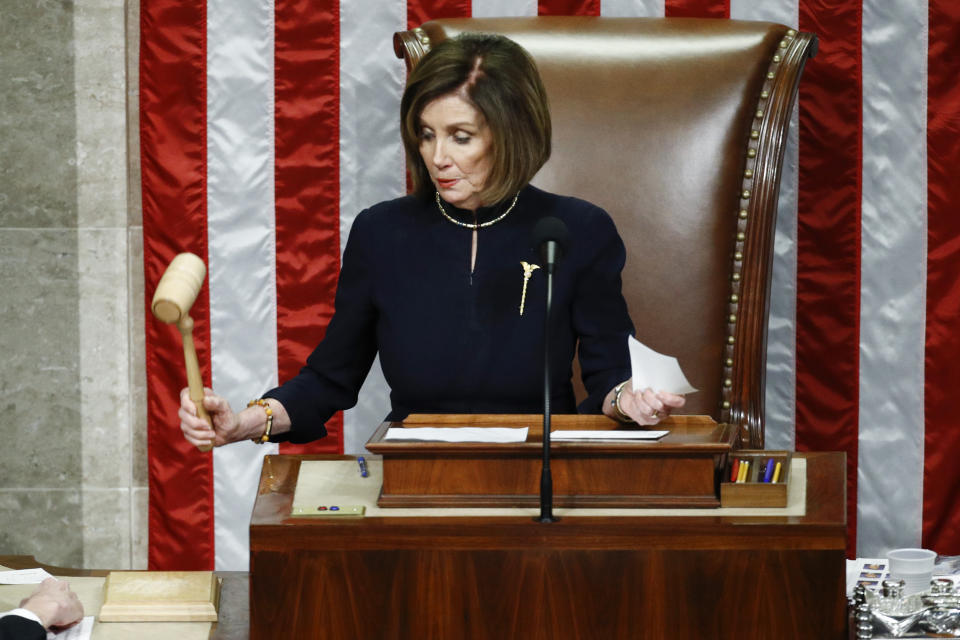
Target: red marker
735,470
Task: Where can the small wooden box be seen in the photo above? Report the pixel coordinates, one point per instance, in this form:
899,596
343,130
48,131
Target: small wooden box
754,492
160,596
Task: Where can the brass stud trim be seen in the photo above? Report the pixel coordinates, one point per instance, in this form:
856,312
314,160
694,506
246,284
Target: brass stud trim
791,32
425,39
745,194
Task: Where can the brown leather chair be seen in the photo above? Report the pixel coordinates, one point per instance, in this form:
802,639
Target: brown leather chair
676,127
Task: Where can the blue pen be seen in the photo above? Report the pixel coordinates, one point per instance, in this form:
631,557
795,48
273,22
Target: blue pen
363,467
768,475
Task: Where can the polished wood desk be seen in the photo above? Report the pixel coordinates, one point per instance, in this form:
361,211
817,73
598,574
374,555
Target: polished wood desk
581,578
234,616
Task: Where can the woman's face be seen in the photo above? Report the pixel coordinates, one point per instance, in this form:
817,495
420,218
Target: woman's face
455,146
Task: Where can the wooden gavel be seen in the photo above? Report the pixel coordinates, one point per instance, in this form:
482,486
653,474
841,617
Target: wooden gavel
175,294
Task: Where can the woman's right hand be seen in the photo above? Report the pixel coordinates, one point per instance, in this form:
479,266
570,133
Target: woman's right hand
196,431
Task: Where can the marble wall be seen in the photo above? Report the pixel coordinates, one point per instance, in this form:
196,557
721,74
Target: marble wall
72,443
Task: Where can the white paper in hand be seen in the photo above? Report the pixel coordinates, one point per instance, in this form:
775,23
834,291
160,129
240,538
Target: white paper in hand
655,371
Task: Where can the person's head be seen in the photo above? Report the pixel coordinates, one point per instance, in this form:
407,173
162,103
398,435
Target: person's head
474,120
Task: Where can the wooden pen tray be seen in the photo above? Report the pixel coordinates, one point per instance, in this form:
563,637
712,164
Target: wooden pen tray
753,492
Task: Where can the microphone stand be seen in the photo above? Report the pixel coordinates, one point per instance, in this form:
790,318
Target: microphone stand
546,479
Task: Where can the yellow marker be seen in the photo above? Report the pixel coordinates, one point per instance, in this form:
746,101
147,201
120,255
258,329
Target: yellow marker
744,470
776,473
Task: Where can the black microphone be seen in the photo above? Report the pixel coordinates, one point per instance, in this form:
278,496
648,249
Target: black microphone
551,238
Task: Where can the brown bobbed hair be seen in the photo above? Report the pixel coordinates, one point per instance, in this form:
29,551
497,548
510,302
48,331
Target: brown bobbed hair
499,78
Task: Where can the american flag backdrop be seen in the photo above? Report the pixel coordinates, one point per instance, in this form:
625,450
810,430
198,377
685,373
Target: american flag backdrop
267,125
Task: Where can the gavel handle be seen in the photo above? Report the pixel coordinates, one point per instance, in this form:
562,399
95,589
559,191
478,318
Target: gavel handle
194,380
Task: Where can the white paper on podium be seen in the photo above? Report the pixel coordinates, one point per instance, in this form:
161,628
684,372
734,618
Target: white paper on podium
458,434
83,630
574,434
655,371
24,576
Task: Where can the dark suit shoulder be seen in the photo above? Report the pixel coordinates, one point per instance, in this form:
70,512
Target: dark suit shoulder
391,212
19,628
592,230
576,212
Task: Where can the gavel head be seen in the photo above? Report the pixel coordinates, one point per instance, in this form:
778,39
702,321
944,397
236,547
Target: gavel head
178,288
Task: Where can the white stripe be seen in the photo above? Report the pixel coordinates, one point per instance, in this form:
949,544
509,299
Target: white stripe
780,398
893,276
371,154
240,224
503,8
632,8
781,11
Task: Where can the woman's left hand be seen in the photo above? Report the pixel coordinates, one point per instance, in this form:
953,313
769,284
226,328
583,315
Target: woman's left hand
648,407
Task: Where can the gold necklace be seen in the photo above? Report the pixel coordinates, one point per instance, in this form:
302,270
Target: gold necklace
477,225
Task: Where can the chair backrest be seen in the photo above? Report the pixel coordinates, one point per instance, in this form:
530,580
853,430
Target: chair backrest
677,128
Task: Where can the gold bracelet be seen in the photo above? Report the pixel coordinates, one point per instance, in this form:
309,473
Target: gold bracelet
615,403
266,407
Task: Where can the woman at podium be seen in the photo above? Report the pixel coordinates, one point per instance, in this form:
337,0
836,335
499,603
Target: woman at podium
446,283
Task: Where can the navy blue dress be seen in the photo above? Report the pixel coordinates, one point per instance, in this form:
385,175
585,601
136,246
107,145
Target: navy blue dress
452,341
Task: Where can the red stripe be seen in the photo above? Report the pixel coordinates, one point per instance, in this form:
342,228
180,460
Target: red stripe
420,11
941,518
828,239
307,110
568,7
696,8
173,160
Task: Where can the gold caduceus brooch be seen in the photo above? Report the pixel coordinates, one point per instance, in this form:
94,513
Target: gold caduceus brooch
528,269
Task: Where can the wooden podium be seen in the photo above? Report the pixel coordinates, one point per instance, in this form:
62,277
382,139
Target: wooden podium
450,575
678,470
